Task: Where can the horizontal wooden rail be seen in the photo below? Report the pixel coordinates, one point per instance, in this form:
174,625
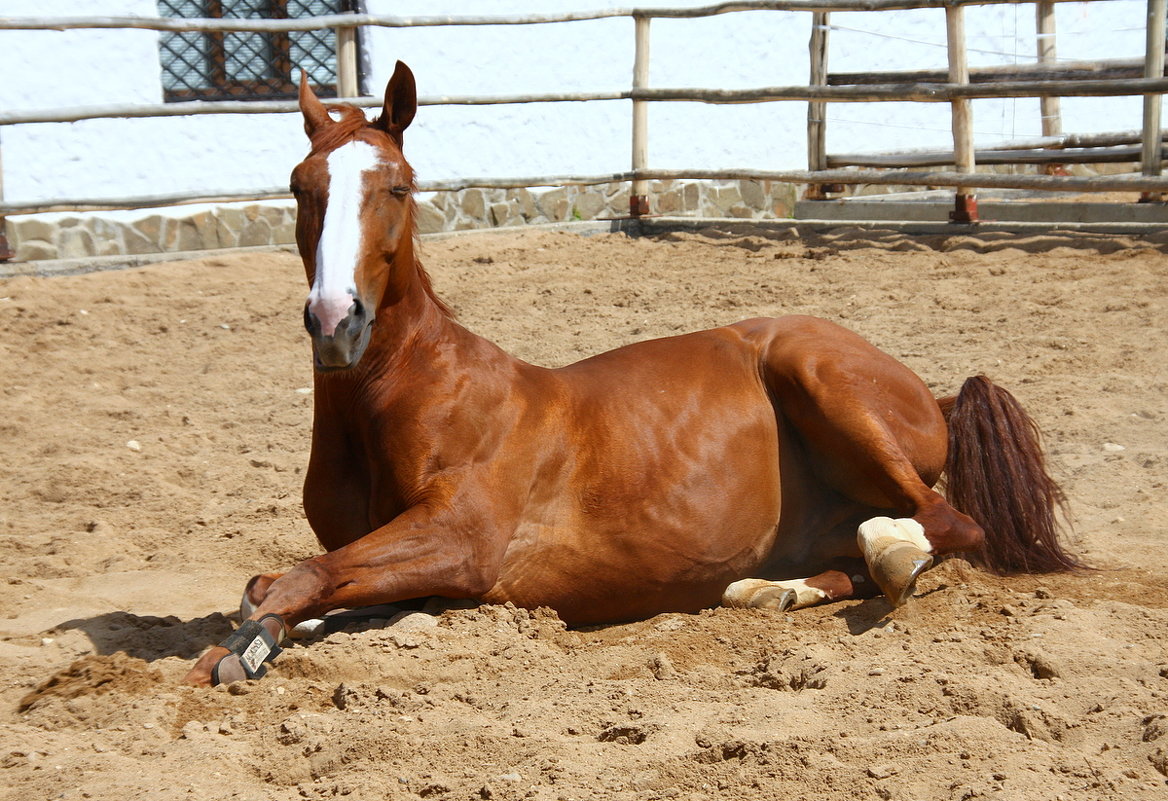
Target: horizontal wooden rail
200,107
1102,183
1109,69
921,92
372,20
1098,155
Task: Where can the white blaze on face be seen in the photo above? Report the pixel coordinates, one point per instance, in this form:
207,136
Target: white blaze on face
335,286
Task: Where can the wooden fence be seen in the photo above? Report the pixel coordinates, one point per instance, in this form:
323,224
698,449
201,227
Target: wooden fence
957,87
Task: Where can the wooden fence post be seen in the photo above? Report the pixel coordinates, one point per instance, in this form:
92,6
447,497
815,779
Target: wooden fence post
1049,107
5,250
965,207
1052,123
1153,68
817,109
639,198
347,83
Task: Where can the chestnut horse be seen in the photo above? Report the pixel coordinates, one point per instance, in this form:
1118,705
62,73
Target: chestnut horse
773,463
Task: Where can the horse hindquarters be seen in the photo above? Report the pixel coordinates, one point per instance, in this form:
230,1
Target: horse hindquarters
995,473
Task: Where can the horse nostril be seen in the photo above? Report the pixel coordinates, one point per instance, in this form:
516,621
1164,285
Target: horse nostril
311,324
358,311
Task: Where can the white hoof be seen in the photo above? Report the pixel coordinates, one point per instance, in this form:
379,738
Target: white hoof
897,553
781,595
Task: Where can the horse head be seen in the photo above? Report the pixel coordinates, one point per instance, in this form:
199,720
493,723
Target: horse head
354,223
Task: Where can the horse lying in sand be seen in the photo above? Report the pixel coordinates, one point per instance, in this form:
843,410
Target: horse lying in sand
773,463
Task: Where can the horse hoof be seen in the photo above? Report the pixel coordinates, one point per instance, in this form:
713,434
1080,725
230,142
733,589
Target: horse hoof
897,569
228,670
777,598
759,594
242,655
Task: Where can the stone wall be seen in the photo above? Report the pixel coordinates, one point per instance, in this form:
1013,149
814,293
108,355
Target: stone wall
35,237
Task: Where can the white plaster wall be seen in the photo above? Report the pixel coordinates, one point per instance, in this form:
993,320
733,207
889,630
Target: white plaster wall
104,158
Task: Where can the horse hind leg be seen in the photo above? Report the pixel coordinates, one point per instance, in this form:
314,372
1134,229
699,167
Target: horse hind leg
897,553
789,594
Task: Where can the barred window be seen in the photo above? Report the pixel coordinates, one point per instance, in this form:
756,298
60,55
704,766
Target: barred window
238,65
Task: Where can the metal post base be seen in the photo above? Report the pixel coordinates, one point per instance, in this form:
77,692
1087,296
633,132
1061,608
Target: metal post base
964,210
5,250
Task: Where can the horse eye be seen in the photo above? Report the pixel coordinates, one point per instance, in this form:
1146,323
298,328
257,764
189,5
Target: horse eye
400,190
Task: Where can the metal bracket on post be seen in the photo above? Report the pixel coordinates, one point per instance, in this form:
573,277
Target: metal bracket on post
964,210
5,250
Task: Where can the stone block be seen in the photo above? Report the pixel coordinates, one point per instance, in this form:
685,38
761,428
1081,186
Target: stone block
618,203
273,214
134,242
782,199
474,204
229,226
256,232
35,249
505,214
150,228
588,205
753,194
691,197
430,219
742,212
725,197
27,229
524,201
439,200
208,227
75,243
668,202
233,218
183,235
554,204
107,236
284,234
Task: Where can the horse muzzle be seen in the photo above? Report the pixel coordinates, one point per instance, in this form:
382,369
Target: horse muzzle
350,329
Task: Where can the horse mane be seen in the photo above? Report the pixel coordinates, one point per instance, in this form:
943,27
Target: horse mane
423,276
350,126
330,137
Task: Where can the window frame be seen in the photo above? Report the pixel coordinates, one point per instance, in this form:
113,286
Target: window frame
220,85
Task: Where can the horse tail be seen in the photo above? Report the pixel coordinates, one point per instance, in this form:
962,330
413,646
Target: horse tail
996,474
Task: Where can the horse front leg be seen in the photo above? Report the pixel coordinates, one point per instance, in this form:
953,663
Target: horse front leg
412,556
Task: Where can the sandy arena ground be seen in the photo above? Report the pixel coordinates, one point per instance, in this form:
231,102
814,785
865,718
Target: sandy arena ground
154,426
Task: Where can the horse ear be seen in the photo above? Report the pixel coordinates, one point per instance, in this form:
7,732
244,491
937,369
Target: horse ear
316,116
401,102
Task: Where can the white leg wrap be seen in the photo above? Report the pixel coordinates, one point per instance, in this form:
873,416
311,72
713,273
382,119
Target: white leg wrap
301,630
877,534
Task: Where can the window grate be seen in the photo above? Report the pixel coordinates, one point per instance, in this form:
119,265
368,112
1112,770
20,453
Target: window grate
239,65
